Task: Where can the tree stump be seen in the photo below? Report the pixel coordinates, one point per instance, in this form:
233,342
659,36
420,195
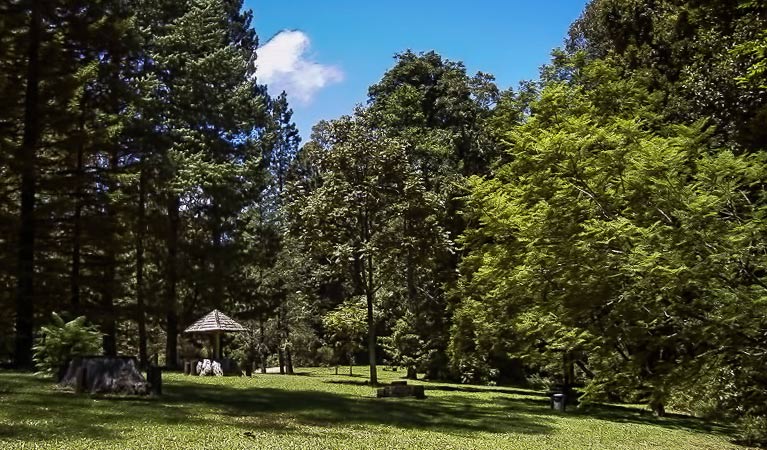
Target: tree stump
105,375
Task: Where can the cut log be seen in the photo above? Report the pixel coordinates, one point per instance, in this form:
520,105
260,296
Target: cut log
105,375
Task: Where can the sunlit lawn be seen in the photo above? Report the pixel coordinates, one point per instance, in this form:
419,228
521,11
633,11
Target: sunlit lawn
316,410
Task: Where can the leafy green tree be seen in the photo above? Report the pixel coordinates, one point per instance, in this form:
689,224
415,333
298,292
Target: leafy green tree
345,329
606,242
351,218
48,138
405,347
689,52
439,113
209,107
136,169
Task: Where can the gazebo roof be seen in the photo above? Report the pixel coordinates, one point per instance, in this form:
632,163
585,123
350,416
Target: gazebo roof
214,321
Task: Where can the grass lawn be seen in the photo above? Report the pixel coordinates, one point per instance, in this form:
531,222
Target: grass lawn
316,410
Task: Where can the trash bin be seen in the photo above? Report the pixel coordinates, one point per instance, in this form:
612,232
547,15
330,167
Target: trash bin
558,402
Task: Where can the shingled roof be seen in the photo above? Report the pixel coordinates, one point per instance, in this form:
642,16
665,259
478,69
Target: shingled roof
214,321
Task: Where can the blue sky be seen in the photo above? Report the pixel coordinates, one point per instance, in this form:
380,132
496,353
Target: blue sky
337,48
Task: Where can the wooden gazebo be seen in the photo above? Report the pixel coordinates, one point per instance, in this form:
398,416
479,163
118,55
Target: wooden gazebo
215,323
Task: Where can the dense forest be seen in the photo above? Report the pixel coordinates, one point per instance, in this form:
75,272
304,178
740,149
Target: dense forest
602,227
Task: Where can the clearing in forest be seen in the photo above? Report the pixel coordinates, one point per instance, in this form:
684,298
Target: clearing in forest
317,410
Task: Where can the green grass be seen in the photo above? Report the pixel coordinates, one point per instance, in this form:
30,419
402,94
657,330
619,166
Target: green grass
316,410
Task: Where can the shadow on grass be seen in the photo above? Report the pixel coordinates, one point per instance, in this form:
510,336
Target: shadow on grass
364,382
55,414
471,389
430,386
451,414
622,414
617,414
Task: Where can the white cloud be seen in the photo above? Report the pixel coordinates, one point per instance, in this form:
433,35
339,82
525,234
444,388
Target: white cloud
283,64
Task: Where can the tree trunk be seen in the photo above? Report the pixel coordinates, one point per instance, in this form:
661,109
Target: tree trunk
171,317
140,232
74,277
369,284
288,361
286,333
371,337
108,327
262,345
657,403
218,276
281,333
27,159
410,271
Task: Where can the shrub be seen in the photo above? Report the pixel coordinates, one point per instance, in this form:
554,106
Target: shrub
61,341
325,356
539,382
752,430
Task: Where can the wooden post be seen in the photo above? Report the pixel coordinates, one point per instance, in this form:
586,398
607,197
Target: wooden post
81,380
154,377
217,352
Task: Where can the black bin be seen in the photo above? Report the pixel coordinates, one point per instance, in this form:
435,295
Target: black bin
558,402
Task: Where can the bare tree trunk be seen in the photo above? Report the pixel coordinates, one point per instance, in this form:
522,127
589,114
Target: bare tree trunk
74,277
108,326
285,331
288,361
369,288
370,297
28,161
218,278
171,316
140,232
262,345
281,334
372,340
658,408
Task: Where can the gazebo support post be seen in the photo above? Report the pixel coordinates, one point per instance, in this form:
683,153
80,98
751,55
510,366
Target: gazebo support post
218,346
